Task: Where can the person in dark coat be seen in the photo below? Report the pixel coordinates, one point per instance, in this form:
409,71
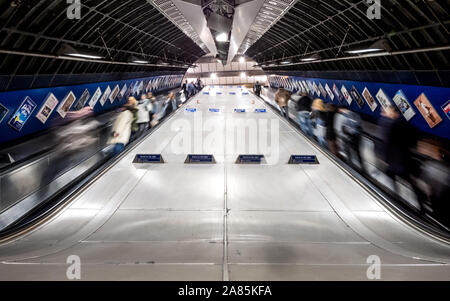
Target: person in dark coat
395,150
257,89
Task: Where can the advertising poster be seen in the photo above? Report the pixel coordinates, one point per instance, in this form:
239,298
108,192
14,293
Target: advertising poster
322,90
22,114
445,108
105,96
82,101
149,86
95,97
357,97
3,112
47,109
141,87
338,94
135,87
330,93
114,93
122,92
346,95
129,91
427,110
306,86
316,89
65,105
384,99
403,105
370,100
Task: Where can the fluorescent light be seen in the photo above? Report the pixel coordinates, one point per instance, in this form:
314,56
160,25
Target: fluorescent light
213,75
363,51
85,56
273,3
242,60
222,37
243,75
311,58
140,62
380,45
285,62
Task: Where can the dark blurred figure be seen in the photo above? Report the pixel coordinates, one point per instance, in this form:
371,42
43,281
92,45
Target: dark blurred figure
153,110
435,176
282,99
331,136
123,127
395,150
351,137
319,115
303,105
257,89
191,89
144,106
199,85
184,87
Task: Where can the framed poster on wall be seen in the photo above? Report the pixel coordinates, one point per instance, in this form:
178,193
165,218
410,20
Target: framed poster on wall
23,114
105,96
330,93
403,105
82,100
346,95
47,109
373,105
95,97
3,112
357,97
65,105
114,93
384,100
445,108
427,110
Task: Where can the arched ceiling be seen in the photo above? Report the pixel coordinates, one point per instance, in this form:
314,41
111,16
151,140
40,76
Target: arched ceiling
32,31
330,28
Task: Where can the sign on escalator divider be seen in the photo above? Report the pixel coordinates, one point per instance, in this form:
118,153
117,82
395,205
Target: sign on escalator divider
148,159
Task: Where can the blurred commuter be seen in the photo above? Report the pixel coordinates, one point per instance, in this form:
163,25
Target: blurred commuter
303,105
123,126
184,87
351,135
144,106
257,89
152,112
331,133
435,176
191,89
397,141
319,114
282,99
199,85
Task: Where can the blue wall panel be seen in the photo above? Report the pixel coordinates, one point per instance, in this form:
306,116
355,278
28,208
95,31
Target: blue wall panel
438,96
12,101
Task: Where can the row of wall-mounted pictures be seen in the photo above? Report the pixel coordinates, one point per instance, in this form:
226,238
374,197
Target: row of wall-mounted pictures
344,96
23,113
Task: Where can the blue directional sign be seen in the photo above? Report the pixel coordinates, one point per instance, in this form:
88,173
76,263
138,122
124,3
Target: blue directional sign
219,93
250,159
245,93
205,93
260,111
214,110
191,110
300,159
148,158
239,110
200,159
232,93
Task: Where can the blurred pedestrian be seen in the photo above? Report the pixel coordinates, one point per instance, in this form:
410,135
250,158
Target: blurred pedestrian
303,105
282,99
144,106
257,89
123,126
351,135
319,115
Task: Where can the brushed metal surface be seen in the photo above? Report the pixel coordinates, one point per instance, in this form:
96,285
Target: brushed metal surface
224,221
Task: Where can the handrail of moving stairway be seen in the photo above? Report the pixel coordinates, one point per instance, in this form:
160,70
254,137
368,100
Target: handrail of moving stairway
69,192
